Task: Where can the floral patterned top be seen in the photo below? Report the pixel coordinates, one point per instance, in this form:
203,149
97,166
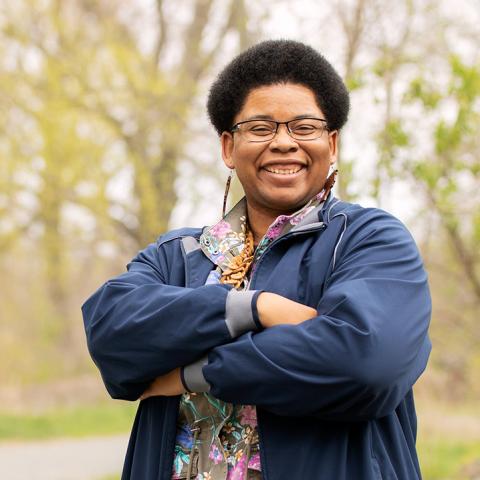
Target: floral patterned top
221,439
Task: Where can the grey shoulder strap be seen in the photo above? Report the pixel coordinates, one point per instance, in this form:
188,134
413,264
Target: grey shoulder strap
190,244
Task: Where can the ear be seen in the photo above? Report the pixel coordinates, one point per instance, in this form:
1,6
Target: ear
333,138
226,141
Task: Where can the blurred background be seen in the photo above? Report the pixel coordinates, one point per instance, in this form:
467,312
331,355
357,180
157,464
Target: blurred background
105,144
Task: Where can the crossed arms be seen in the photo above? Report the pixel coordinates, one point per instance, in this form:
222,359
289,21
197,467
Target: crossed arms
353,357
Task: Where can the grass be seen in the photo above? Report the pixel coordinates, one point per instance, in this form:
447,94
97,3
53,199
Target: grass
443,455
444,459
440,459
448,439
101,419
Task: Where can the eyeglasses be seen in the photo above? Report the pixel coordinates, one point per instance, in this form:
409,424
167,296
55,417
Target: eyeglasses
265,130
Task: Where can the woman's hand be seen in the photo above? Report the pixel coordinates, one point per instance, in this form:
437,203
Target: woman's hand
274,310
167,385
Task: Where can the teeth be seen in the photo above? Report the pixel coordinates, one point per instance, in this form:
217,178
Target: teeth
283,172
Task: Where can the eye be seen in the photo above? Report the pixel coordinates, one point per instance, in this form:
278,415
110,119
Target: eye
304,128
260,128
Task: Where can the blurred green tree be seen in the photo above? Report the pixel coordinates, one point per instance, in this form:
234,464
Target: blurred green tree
448,177
85,100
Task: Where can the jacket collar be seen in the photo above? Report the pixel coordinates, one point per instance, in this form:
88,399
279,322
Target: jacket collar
225,240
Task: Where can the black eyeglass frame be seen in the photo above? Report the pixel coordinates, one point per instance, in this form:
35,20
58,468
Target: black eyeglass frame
235,128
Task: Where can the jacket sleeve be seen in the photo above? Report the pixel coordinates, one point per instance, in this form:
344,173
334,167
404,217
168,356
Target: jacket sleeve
139,327
360,356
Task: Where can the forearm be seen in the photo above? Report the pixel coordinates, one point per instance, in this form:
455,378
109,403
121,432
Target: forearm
275,310
356,358
346,376
268,309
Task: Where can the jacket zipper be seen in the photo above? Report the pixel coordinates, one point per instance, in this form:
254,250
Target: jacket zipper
247,287
292,234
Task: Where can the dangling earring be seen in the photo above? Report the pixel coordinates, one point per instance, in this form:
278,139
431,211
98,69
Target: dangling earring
227,188
332,171
332,177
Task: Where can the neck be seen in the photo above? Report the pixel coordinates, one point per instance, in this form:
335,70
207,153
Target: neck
259,220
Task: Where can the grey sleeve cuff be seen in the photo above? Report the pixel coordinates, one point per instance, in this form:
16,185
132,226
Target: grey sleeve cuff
239,315
192,376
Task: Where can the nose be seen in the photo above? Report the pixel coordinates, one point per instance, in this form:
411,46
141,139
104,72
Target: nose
282,141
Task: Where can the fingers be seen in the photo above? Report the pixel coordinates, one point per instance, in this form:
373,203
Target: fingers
143,396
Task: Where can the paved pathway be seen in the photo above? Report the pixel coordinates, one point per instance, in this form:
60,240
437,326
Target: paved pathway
63,459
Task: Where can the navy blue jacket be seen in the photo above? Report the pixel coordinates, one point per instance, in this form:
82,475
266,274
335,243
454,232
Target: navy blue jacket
333,394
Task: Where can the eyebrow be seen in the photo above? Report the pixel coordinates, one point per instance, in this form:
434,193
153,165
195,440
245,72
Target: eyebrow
269,117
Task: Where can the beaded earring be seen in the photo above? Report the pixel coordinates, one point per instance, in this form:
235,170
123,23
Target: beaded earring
227,188
332,177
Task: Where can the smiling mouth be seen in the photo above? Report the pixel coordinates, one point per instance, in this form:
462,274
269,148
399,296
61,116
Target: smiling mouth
284,171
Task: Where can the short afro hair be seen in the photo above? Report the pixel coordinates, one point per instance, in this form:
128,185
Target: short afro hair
271,62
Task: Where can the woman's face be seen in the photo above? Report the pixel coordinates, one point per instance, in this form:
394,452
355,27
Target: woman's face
282,174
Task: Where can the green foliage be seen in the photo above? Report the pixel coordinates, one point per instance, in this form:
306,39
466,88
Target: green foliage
390,139
430,138
454,163
345,178
384,64
419,89
396,134
86,105
465,80
355,81
476,226
427,172
447,137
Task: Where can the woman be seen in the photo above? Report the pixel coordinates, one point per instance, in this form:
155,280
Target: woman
282,342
